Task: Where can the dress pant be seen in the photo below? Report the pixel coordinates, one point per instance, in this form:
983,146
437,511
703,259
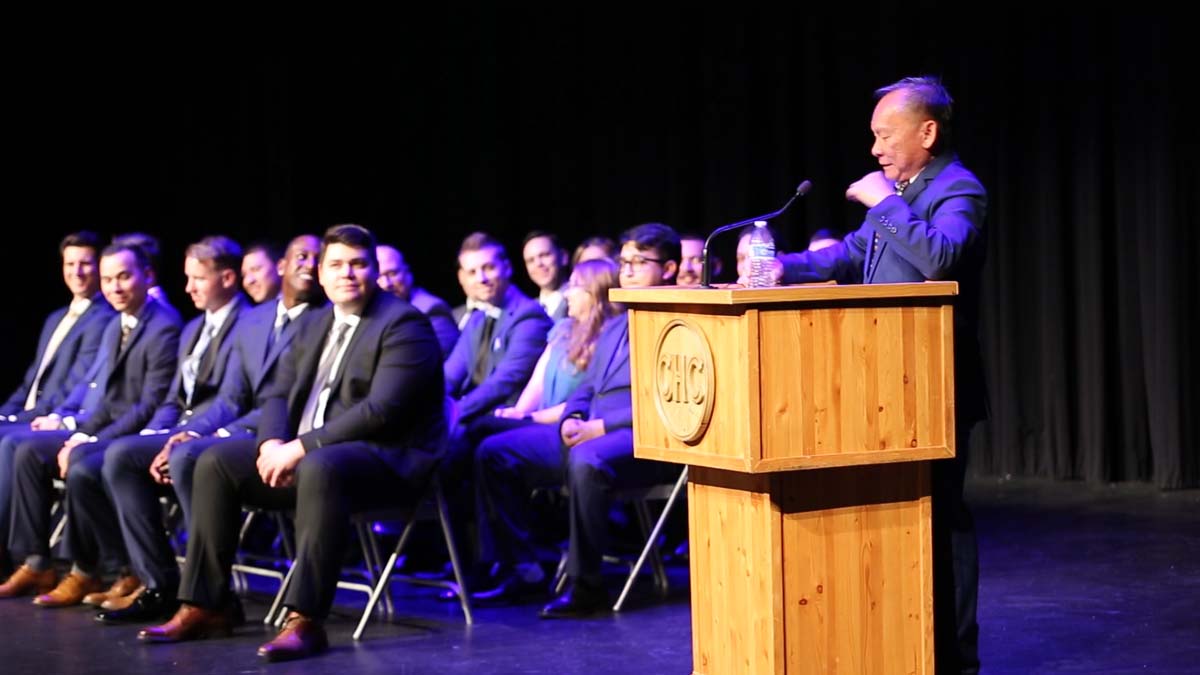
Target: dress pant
183,468
7,450
510,464
93,538
135,494
331,484
955,565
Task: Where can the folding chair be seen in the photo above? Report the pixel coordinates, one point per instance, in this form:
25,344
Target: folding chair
640,498
431,506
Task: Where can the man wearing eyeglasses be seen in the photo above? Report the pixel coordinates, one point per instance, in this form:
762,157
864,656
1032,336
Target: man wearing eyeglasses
592,446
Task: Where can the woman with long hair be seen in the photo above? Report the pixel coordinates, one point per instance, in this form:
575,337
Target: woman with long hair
570,345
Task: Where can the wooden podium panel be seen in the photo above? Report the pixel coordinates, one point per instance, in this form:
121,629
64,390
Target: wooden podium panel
805,376
811,571
808,415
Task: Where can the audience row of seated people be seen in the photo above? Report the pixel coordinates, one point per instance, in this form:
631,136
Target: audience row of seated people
320,390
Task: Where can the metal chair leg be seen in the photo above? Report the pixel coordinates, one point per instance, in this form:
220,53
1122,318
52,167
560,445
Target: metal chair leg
652,539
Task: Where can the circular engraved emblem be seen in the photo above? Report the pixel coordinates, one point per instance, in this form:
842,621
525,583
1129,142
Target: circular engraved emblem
683,380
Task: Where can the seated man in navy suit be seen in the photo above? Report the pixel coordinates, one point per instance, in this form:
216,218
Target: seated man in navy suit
348,424
138,360
262,339
503,337
546,262
396,278
66,350
592,444
260,271
211,268
133,467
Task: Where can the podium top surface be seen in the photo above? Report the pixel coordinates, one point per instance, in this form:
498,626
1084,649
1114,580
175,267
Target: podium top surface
732,294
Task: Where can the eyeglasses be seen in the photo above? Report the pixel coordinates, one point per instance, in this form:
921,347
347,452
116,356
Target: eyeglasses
637,261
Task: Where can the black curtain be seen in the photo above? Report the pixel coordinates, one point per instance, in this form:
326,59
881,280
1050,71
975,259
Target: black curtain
581,121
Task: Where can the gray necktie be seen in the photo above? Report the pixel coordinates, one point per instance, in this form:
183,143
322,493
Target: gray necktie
191,365
308,418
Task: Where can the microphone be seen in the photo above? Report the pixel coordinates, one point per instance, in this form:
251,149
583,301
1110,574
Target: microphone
705,271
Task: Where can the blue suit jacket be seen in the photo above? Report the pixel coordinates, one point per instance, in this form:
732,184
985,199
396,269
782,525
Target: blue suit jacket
386,393
134,381
517,341
251,367
175,411
605,392
933,232
440,315
68,367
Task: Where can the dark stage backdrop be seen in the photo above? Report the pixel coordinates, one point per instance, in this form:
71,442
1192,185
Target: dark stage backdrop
582,122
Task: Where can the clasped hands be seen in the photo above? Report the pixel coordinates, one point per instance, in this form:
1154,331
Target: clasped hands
277,461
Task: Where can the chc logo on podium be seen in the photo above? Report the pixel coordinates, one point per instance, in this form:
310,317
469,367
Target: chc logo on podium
683,380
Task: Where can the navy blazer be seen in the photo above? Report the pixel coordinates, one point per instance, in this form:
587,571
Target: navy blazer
175,411
134,381
387,392
518,339
605,390
934,231
251,366
70,364
440,315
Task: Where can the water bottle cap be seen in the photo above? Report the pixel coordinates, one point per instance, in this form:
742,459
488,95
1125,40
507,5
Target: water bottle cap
760,223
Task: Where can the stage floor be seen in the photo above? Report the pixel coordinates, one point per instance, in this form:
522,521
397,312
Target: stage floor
1074,579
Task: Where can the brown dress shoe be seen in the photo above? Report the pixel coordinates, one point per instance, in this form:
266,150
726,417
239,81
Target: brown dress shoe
123,601
122,587
69,592
26,581
300,638
191,623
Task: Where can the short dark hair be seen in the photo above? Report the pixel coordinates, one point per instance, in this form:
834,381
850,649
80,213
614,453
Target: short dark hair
139,253
146,243
535,234
81,239
268,248
221,251
661,238
477,241
349,234
927,96
823,233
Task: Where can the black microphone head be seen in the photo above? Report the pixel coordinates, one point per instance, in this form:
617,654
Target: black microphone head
803,188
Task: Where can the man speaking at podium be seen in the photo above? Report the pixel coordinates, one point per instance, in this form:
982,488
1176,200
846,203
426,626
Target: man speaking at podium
924,221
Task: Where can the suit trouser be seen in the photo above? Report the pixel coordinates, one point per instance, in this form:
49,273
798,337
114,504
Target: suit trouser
126,473
331,483
92,536
183,460
7,450
509,464
955,565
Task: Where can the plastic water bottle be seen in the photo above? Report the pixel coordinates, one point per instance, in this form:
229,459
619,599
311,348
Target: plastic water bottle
762,256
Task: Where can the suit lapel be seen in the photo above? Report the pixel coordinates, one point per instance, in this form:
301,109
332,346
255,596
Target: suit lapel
209,360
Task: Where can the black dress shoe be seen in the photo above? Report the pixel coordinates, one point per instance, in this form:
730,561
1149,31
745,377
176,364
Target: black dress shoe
578,601
151,606
511,588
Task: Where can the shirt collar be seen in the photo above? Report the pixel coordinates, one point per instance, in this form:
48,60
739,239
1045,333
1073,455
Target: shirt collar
296,310
79,306
342,317
217,318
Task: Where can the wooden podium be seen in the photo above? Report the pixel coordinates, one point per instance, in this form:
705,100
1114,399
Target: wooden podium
808,415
